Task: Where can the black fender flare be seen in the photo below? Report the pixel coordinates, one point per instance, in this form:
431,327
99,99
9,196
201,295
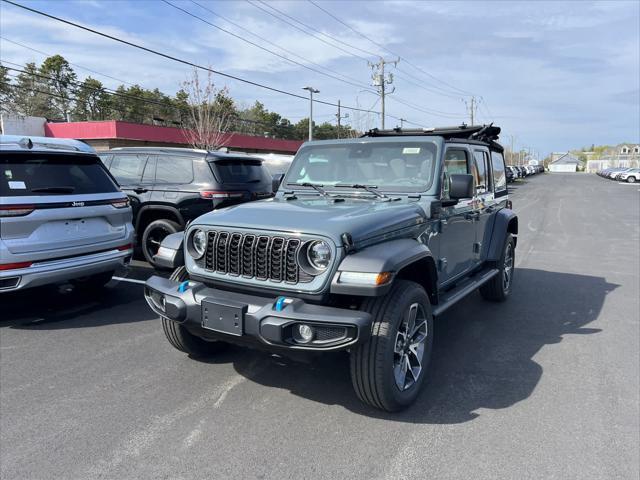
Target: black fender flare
165,208
171,252
391,256
506,221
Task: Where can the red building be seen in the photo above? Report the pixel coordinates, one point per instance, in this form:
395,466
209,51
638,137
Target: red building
112,133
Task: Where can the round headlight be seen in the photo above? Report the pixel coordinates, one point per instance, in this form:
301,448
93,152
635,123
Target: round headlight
198,243
319,254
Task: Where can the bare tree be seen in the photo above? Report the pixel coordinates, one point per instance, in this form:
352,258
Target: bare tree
211,112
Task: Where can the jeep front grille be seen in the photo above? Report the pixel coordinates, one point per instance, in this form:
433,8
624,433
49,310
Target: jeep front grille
261,257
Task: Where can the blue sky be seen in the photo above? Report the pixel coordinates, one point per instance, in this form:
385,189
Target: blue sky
555,75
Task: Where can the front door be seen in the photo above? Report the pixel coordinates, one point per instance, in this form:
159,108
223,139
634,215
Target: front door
457,232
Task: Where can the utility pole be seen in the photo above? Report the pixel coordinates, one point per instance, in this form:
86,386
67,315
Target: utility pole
402,120
380,80
472,108
311,92
339,117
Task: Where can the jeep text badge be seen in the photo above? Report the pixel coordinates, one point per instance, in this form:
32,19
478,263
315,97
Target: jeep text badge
77,204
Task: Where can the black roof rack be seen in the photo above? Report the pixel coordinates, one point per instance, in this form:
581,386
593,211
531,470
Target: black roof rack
483,133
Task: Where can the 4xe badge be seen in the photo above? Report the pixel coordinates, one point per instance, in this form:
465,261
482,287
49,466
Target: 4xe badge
77,204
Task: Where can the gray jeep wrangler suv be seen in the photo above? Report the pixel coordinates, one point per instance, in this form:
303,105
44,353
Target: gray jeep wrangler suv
366,241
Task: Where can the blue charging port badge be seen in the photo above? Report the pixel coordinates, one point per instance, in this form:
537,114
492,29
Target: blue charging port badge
282,302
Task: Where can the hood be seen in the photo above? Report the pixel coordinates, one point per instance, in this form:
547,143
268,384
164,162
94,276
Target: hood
365,219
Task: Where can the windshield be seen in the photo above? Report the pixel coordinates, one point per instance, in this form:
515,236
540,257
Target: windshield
390,166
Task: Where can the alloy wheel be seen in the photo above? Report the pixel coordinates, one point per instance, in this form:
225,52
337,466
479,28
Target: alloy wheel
507,269
408,352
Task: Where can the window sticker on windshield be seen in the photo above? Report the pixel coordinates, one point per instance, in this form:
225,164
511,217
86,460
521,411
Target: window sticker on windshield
410,150
17,186
8,174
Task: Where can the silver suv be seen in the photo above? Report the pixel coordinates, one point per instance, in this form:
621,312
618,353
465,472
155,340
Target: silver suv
62,215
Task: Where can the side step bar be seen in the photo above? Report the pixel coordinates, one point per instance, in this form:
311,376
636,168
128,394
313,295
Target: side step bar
450,298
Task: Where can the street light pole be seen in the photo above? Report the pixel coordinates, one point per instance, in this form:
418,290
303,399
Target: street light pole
311,92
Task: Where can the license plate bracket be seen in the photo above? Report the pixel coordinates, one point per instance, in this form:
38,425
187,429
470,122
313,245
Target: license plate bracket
223,316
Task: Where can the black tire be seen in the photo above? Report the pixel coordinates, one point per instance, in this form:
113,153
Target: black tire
94,282
181,338
375,363
499,287
153,235
631,179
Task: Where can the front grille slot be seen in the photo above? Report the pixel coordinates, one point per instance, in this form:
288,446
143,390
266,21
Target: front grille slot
222,259
255,256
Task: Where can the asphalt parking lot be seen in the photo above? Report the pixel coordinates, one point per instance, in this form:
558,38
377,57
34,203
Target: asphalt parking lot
545,385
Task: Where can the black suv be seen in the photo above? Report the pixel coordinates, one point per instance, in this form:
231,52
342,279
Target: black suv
169,187
366,241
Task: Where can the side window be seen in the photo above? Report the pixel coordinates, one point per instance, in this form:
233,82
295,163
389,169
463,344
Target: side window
499,176
174,169
455,161
127,169
149,175
481,172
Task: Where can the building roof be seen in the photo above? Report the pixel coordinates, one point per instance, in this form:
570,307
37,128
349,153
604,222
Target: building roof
114,129
565,159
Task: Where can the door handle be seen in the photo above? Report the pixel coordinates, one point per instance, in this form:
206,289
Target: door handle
141,190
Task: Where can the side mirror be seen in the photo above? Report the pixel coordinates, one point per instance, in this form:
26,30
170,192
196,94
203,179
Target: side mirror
460,186
276,180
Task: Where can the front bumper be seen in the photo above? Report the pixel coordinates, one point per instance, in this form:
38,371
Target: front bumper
237,317
46,272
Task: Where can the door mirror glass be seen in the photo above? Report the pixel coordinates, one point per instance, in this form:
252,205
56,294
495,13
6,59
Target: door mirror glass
460,186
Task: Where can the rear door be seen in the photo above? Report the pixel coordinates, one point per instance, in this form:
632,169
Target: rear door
128,169
58,202
485,203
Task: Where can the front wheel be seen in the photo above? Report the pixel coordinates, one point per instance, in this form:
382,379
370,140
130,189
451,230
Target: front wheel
499,287
388,371
181,338
631,179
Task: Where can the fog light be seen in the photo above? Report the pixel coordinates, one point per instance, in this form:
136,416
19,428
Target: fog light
305,333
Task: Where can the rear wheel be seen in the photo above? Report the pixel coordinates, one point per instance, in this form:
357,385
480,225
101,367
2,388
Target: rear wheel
153,235
499,287
388,371
181,338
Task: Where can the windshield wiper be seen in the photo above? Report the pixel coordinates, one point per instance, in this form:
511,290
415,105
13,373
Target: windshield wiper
316,186
368,188
53,190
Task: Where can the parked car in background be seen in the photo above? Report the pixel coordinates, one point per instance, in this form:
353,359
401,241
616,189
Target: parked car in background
630,176
62,216
510,173
169,187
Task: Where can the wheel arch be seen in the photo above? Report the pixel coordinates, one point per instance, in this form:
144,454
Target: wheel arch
150,213
405,258
506,222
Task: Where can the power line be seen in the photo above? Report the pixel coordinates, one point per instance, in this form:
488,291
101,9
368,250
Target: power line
301,29
174,58
70,63
314,35
271,43
387,49
197,17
